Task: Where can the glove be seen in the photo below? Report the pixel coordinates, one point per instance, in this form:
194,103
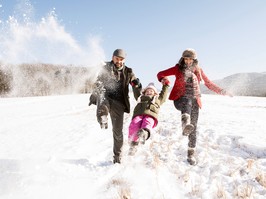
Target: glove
165,81
136,83
93,99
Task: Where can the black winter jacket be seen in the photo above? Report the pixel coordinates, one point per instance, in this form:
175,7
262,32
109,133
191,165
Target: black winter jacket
116,84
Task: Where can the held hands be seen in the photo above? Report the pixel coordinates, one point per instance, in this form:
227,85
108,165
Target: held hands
136,83
165,81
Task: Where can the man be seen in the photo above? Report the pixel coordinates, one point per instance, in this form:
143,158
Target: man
111,95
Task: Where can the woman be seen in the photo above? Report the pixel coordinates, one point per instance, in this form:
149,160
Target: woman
186,95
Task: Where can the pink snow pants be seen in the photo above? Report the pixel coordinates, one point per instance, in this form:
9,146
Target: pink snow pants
138,122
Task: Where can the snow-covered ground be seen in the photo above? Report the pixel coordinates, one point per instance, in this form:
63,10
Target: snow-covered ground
52,147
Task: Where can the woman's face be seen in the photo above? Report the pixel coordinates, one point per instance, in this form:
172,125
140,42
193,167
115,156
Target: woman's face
188,61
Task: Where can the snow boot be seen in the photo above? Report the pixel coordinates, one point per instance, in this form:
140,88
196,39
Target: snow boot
133,148
191,157
117,159
186,126
104,122
143,136
102,116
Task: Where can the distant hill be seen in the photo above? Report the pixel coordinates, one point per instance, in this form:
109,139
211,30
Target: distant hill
243,84
44,79
48,79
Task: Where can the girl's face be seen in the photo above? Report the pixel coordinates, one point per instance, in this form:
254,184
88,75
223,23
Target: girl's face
149,92
188,61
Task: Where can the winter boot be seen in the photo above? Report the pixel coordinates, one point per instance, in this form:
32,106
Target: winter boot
143,136
133,148
191,156
102,116
117,159
186,126
104,122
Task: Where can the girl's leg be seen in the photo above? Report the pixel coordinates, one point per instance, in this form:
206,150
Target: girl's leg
134,127
148,123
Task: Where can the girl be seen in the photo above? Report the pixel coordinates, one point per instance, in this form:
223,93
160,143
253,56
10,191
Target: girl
145,114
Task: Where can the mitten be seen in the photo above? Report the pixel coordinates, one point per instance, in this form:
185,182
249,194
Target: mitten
93,99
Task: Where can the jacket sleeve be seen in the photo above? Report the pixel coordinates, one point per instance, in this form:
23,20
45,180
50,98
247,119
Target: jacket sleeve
168,72
210,85
163,94
98,85
136,92
136,87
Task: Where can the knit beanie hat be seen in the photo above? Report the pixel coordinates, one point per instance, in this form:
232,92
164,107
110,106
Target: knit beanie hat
150,85
191,53
120,53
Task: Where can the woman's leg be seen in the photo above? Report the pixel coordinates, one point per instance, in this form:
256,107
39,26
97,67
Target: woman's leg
184,104
194,120
192,138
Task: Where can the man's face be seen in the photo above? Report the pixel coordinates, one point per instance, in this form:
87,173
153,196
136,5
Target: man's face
118,61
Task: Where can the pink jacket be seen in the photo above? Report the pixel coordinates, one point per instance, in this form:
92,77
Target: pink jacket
178,89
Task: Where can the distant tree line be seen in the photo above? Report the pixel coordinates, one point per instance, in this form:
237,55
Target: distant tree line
48,79
44,79
5,81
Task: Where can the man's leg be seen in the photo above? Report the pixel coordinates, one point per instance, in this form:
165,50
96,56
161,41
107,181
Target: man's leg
102,111
102,116
117,117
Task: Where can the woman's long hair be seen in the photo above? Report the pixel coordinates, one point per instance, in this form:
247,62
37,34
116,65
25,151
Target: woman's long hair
182,67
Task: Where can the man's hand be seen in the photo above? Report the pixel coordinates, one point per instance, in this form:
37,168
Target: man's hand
136,83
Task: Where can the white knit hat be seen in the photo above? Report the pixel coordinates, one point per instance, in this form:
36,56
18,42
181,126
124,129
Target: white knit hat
150,85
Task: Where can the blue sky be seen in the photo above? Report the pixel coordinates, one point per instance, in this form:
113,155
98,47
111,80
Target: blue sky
229,36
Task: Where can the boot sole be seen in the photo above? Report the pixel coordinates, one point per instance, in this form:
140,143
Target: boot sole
188,129
132,152
192,162
142,137
104,126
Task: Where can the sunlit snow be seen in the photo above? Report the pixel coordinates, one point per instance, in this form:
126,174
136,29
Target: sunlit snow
52,147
